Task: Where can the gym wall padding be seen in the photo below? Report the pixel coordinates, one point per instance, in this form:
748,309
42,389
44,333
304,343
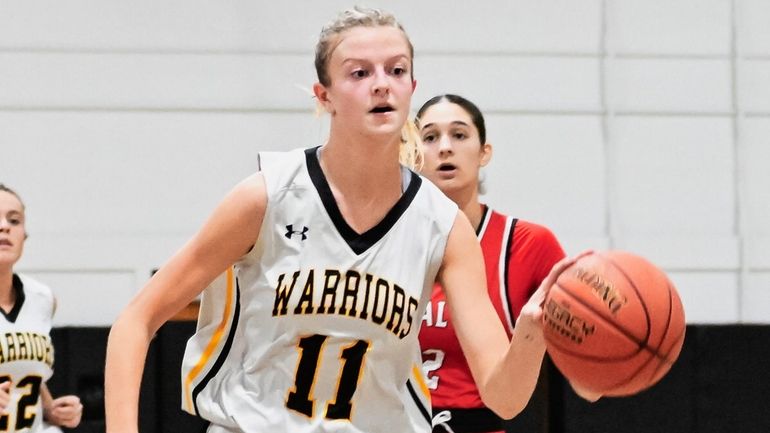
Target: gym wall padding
720,383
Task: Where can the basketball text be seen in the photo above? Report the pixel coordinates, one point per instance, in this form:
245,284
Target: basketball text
603,289
567,324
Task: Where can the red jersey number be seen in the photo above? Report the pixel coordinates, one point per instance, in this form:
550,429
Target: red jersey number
433,359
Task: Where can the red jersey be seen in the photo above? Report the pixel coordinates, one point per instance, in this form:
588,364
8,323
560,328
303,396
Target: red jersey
518,255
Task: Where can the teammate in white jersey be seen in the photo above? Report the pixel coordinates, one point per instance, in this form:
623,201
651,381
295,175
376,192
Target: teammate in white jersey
26,354
324,262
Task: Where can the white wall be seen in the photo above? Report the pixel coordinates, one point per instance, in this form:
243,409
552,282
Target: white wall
642,125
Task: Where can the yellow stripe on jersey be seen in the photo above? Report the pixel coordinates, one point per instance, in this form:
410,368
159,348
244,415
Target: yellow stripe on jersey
213,343
417,373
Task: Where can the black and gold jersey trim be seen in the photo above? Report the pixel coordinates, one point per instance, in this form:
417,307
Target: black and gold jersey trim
18,287
423,410
359,243
225,350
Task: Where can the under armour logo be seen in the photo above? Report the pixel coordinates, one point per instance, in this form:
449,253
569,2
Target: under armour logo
290,231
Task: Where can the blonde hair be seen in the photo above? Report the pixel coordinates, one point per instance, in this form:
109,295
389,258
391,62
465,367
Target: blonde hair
13,193
410,152
346,20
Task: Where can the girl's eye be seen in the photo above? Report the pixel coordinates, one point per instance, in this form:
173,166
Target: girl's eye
460,136
359,73
429,138
14,221
399,71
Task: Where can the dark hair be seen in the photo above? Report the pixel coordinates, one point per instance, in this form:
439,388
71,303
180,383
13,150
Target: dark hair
12,192
476,117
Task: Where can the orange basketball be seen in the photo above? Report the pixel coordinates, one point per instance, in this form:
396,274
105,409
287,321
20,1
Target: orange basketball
614,323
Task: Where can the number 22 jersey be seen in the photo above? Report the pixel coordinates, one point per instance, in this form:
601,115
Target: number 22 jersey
26,354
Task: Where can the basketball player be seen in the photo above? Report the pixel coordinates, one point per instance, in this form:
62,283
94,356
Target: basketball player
323,263
26,354
517,254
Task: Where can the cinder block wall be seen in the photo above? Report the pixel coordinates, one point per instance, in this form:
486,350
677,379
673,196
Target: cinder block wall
618,123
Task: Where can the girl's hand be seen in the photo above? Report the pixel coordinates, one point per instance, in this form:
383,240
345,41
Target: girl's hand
5,395
532,311
64,411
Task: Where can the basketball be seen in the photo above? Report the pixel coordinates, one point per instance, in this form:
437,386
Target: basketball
613,323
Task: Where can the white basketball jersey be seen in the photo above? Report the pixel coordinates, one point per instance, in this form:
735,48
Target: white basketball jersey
315,329
26,354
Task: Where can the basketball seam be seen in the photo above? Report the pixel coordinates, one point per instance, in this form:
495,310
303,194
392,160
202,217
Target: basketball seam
642,345
658,354
655,351
603,319
638,295
668,326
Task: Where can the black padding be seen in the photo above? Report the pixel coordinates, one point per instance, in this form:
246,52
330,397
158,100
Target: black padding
534,417
720,383
79,369
667,407
172,338
733,371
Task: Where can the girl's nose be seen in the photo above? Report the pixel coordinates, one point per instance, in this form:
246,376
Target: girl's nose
444,144
381,84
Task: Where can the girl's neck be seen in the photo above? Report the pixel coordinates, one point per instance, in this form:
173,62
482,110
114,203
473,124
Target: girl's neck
7,295
361,163
364,177
468,202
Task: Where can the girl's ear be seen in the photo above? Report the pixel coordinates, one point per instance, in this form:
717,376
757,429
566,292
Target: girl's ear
486,154
322,96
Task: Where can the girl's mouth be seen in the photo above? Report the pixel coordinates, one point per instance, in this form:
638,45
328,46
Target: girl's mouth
381,109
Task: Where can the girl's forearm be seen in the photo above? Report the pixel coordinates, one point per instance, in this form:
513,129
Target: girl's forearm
126,352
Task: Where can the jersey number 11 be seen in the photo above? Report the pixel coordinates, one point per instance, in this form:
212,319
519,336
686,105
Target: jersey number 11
300,398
